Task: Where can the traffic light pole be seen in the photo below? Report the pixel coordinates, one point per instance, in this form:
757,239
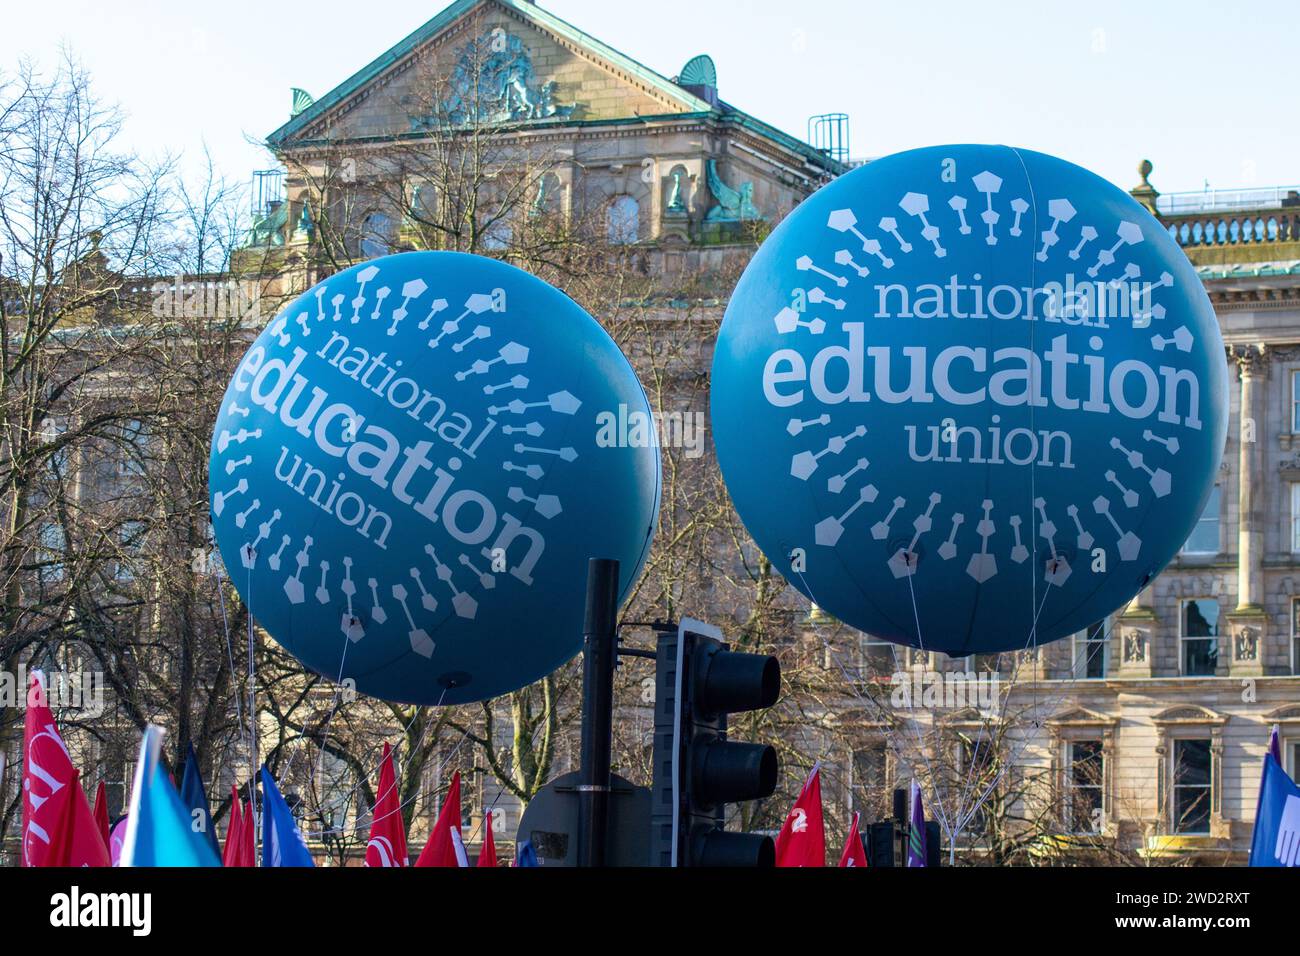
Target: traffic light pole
599,657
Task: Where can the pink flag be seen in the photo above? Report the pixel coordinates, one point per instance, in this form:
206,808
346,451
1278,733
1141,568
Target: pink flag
248,838
230,854
116,840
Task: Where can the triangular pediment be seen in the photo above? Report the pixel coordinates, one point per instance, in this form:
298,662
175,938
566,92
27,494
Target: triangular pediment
969,716
518,64
1080,716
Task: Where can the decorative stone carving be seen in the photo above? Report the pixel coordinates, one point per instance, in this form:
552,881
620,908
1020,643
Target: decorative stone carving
1245,645
676,202
1252,360
493,82
733,205
1135,646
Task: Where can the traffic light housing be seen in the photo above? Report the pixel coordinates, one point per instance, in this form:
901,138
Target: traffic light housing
697,770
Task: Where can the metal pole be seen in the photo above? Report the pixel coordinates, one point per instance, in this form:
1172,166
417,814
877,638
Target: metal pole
598,659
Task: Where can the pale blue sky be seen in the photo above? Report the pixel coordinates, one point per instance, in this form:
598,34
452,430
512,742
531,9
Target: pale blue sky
1205,91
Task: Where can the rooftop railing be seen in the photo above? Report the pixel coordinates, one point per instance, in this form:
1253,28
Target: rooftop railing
1228,200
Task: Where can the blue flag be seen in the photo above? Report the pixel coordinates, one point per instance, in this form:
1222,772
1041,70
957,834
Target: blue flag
527,855
282,843
196,798
1276,841
160,830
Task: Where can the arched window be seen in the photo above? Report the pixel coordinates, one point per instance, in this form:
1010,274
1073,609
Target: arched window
376,236
623,221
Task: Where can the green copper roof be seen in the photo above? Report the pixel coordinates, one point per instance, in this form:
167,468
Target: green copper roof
691,104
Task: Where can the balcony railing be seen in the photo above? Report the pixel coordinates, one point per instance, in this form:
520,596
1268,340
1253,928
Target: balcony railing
1250,227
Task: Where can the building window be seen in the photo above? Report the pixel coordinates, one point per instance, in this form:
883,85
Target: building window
50,552
1085,775
1295,635
134,435
1200,637
623,221
876,658
1204,538
975,762
1295,402
1191,786
52,429
1291,756
376,236
1090,652
131,541
870,779
1295,517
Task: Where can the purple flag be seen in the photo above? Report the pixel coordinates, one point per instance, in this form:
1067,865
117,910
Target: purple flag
1275,744
916,829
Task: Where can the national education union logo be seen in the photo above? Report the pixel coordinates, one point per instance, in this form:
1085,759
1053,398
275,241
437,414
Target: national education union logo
406,483
970,398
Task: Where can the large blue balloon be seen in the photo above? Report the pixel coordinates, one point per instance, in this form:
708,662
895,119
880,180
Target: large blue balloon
409,473
969,398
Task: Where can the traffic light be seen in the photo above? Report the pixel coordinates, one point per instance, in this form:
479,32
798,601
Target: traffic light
887,839
697,770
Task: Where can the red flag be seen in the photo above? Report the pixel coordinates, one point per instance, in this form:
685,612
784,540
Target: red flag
487,854
101,810
74,838
855,854
387,846
248,839
47,773
445,847
230,854
802,840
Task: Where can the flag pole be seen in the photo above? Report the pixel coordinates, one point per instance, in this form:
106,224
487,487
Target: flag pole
252,729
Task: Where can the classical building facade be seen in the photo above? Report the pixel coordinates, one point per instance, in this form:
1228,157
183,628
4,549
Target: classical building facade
576,128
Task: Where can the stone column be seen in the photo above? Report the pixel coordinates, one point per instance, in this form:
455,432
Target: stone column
1247,623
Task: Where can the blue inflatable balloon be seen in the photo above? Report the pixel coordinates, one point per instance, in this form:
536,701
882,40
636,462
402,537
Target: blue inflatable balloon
410,470
969,398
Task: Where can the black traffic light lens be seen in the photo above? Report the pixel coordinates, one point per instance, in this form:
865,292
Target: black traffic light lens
727,681
729,770
721,848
